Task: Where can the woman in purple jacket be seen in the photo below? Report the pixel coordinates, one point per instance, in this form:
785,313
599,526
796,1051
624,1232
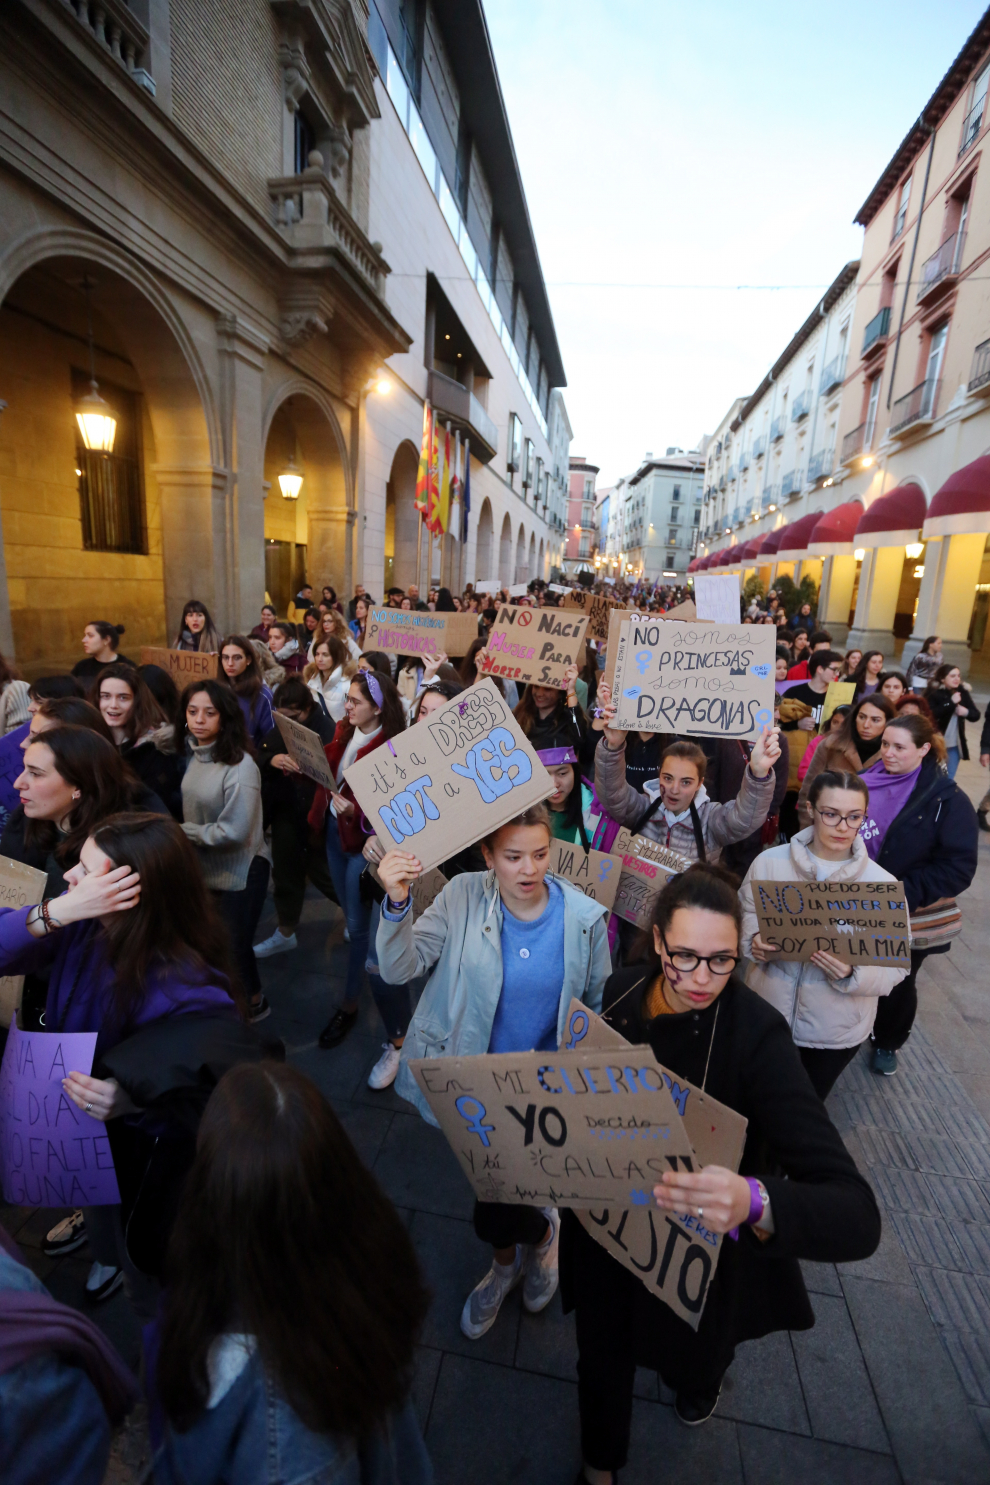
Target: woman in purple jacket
134,940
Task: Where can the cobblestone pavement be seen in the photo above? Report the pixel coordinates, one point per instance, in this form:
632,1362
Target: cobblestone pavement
892,1384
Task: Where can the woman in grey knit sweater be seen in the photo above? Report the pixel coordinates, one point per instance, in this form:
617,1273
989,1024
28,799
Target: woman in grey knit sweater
221,814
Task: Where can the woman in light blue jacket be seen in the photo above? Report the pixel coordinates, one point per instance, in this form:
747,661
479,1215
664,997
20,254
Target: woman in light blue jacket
509,948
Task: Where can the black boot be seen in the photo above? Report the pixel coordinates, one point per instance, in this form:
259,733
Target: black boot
694,1408
337,1027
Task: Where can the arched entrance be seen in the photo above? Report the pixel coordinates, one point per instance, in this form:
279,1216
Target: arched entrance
504,573
401,520
540,572
129,535
532,571
485,543
308,538
522,573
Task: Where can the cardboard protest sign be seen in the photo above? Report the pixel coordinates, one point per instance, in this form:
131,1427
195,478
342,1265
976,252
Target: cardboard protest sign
182,665
488,585
839,693
595,872
615,619
557,588
450,780
685,610
305,748
427,886
705,680
647,866
51,1153
20,886
519,590
716,597
859,922
398,631
644,1239
595,607
533,645
568,1128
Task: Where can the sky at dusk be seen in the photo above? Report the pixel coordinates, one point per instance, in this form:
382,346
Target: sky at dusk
671,153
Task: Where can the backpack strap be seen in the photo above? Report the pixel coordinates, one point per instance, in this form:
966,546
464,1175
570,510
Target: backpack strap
699,838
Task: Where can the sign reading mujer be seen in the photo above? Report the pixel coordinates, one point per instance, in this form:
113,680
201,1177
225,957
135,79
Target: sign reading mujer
533,645
451,780
703,680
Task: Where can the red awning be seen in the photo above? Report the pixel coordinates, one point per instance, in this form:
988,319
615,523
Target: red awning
797,535
694,564
894,519
962,506
834,532
749,549
772,544
720,558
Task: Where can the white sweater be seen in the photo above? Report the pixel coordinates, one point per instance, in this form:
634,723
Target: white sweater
820,1012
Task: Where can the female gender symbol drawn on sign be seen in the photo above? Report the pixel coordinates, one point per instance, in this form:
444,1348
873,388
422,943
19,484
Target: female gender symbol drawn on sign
763,718
473,1116
578,1028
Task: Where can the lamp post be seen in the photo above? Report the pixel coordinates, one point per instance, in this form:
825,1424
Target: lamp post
94,415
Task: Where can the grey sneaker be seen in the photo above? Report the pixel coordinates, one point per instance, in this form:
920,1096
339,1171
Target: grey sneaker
103,1281
276,943
66,1236
484,1302
884,1062
541,1267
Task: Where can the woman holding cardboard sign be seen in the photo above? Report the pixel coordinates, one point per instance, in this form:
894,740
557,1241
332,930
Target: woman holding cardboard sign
709,1031
508,948
829,1006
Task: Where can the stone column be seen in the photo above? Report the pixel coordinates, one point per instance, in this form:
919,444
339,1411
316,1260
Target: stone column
876,602
194,525
242,353
835,596
945,603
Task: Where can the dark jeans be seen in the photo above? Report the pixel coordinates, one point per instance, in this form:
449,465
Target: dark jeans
346,868
825,1065
896,1011
296,856
504,1226
240,911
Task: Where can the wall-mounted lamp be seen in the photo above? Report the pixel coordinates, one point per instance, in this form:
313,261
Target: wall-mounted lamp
94,415
860,554
914,549
290,480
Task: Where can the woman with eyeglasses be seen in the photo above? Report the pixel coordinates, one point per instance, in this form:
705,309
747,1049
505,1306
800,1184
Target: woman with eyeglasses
829,1006
850,748
798,1194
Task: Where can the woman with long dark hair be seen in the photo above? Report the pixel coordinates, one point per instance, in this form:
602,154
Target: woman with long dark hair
165,692
197,630
307,631
545,713
260,631
925,663
359,623
222,816
140,729
328,675
374,713
309,1370
798,1194
867,674
12,744
100,640
952,706
241,669
922,828
854,746
284,646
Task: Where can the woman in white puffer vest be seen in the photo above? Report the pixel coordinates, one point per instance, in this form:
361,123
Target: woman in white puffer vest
829,1006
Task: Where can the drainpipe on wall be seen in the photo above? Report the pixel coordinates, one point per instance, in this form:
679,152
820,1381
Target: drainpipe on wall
914,249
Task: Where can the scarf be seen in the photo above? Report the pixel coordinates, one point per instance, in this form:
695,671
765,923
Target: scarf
889,793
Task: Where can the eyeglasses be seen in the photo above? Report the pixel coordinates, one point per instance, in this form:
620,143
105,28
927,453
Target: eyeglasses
683,959
832,818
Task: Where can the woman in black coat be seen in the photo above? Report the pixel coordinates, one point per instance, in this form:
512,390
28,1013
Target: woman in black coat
931,845
799,1194
952,706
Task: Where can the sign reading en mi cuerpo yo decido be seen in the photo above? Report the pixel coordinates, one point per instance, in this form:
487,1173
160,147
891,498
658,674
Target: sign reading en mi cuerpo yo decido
707,680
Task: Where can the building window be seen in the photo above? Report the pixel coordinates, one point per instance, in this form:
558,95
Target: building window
677,493
672,538
111,489
513,457
675,516
527,463
304,140
671,559
902,205
871,411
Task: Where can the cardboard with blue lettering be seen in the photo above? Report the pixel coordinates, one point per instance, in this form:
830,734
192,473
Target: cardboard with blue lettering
674,1255
451,780
570,1128
698,680
534,645
861,923
419,632
595,872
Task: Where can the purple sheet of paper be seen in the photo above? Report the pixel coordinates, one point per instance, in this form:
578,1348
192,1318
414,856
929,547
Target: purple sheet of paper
51,1153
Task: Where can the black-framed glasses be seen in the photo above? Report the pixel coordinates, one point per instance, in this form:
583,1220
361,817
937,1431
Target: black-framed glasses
832,818
683,959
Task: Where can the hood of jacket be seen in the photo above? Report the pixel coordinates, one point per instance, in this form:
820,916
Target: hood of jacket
806,863
652,789
291,647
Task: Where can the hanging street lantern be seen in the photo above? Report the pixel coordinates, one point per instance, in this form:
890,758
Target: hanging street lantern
290,480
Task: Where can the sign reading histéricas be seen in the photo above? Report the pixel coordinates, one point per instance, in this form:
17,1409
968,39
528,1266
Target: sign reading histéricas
397,631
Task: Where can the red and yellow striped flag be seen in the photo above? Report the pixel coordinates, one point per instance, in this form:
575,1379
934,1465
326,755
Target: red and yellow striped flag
422,501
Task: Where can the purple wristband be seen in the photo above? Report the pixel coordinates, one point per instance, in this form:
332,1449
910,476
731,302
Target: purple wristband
755,1201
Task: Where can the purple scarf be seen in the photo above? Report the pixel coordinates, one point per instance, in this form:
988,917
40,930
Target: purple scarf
889,793
32,1324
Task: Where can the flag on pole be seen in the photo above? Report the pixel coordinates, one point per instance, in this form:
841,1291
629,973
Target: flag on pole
433,483
443,505
454,524
422,500
466,492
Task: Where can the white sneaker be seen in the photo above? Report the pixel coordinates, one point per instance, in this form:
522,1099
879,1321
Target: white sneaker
104,1279
347,935
382,1075
278,943
541,1267
485,1300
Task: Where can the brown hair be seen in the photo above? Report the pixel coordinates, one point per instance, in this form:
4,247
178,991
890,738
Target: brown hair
921,731
145,712
690,752
89,762
250,681
702,885
832,778
339,654
911,698
232,740
391,710
174,922
847,736
534,814
336,1323
73,711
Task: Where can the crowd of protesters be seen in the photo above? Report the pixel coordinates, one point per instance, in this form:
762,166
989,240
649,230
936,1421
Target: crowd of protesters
279,1287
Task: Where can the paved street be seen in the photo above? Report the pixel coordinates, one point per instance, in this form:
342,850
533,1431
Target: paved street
893,1384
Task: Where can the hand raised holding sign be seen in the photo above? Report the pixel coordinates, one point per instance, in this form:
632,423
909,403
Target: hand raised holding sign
614,736
716,1196
766,751
431,664
397,871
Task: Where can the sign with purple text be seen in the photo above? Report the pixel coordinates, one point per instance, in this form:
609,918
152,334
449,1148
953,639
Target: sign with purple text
51,1153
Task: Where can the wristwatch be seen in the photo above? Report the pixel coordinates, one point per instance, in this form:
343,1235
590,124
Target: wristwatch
759,1201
